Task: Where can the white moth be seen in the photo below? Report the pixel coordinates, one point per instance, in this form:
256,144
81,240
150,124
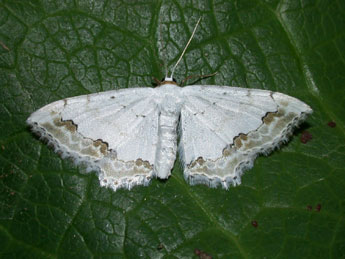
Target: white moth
129,136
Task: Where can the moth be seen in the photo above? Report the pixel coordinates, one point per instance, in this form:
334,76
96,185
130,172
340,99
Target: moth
130,136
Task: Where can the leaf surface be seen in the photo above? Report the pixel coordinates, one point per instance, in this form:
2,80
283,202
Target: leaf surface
290,205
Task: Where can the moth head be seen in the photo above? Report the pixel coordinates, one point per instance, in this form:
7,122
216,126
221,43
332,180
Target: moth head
168,80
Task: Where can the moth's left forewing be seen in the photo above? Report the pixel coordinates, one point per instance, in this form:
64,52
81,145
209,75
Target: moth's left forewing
223,130
113,133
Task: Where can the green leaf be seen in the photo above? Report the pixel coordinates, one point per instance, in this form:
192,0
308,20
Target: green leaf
55,49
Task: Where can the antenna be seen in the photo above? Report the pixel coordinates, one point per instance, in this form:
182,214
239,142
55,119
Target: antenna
185,48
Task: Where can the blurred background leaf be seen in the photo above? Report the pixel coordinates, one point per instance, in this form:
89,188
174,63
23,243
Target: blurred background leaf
290,205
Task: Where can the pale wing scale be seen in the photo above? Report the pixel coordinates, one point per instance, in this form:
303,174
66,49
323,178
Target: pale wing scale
223,129
105,131
224,112
118,124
